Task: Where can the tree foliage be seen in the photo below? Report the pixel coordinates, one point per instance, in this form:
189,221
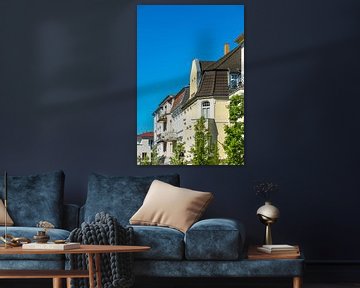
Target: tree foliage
204,151
234,139
144,161
155,159
178,157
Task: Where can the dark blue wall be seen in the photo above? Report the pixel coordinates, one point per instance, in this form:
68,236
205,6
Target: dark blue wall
68,101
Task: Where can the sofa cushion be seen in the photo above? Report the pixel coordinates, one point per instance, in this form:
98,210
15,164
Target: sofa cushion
9,221
214,239
35,198
170,206
29,232
165,243
119,196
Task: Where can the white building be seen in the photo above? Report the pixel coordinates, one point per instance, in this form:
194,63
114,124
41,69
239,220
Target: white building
145,143
164,134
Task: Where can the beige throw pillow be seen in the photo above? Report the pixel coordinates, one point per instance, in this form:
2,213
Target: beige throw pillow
170,206
9,221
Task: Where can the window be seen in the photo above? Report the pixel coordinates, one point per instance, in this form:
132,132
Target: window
234,80
205,109
151,142
143,155
164,127
164,146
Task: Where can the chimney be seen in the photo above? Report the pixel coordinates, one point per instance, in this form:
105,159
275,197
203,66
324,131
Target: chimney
226,48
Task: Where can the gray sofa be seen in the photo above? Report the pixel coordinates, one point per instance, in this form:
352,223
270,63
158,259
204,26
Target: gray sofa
32,199
210,248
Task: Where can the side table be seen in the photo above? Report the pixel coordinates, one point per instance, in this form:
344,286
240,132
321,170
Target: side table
288,259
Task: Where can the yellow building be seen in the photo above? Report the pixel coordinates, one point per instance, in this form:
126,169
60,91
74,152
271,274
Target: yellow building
211,85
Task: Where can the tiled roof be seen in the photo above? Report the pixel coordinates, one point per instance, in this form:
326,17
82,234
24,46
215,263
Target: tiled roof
231,61
180,98
240,38
168,98
214,83
205,64
146,135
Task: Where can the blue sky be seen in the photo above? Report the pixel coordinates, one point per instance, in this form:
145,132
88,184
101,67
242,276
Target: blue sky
169,37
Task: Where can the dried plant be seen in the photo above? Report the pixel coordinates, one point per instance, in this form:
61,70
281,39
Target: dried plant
264,189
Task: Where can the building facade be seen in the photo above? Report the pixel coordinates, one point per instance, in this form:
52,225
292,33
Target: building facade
212,83
145,142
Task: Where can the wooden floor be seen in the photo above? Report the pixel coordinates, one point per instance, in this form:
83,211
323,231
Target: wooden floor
45,283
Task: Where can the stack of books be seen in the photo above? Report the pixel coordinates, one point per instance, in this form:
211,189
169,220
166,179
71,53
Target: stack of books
279,249
273,252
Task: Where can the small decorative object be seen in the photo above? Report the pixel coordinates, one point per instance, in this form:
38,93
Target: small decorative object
41,236
4,238
11,241
268,213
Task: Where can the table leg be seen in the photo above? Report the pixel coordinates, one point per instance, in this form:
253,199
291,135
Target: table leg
57,283
91,270
98,270
68,282
297,282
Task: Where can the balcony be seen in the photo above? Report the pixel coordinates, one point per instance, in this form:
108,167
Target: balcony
161,117
168,136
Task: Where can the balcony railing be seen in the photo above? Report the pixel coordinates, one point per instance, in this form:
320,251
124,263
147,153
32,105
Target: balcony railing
167,136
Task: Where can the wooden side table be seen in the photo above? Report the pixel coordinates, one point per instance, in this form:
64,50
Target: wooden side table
93,251
254,254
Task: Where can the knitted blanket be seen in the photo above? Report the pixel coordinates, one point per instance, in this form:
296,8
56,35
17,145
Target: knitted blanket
116,268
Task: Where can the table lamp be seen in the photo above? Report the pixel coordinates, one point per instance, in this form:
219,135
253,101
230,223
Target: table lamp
268,214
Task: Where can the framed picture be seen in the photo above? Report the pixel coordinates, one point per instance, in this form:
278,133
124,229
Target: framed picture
190,85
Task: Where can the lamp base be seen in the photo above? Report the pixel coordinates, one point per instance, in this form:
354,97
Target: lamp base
268,237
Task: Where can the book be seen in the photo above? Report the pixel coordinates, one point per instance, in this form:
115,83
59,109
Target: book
51,246
278,249
255,254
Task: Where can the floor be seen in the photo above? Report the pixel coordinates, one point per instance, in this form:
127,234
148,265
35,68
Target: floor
247,284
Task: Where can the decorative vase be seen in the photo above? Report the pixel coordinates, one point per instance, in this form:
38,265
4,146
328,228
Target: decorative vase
41,237
268,214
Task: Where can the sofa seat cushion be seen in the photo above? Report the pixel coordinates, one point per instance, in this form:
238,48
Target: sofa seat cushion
119,196
39,264
166,243
35,198
29,232
214,239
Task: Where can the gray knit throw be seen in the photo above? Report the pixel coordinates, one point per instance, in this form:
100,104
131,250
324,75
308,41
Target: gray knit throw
116,268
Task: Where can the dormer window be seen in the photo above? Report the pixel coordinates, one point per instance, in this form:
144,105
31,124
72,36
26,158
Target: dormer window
234,80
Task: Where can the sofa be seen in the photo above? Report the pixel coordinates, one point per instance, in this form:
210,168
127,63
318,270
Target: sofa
32,199
209,248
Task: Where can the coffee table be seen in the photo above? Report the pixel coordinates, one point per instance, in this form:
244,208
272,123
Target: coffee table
94,267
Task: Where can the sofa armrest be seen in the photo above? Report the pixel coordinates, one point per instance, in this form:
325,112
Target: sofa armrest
215,239
71,216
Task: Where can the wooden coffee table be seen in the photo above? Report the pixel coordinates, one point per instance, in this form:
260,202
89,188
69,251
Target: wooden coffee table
57,275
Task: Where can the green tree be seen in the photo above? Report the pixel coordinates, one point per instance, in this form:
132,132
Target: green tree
234,139
204,151
144,161
155,159
178,157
